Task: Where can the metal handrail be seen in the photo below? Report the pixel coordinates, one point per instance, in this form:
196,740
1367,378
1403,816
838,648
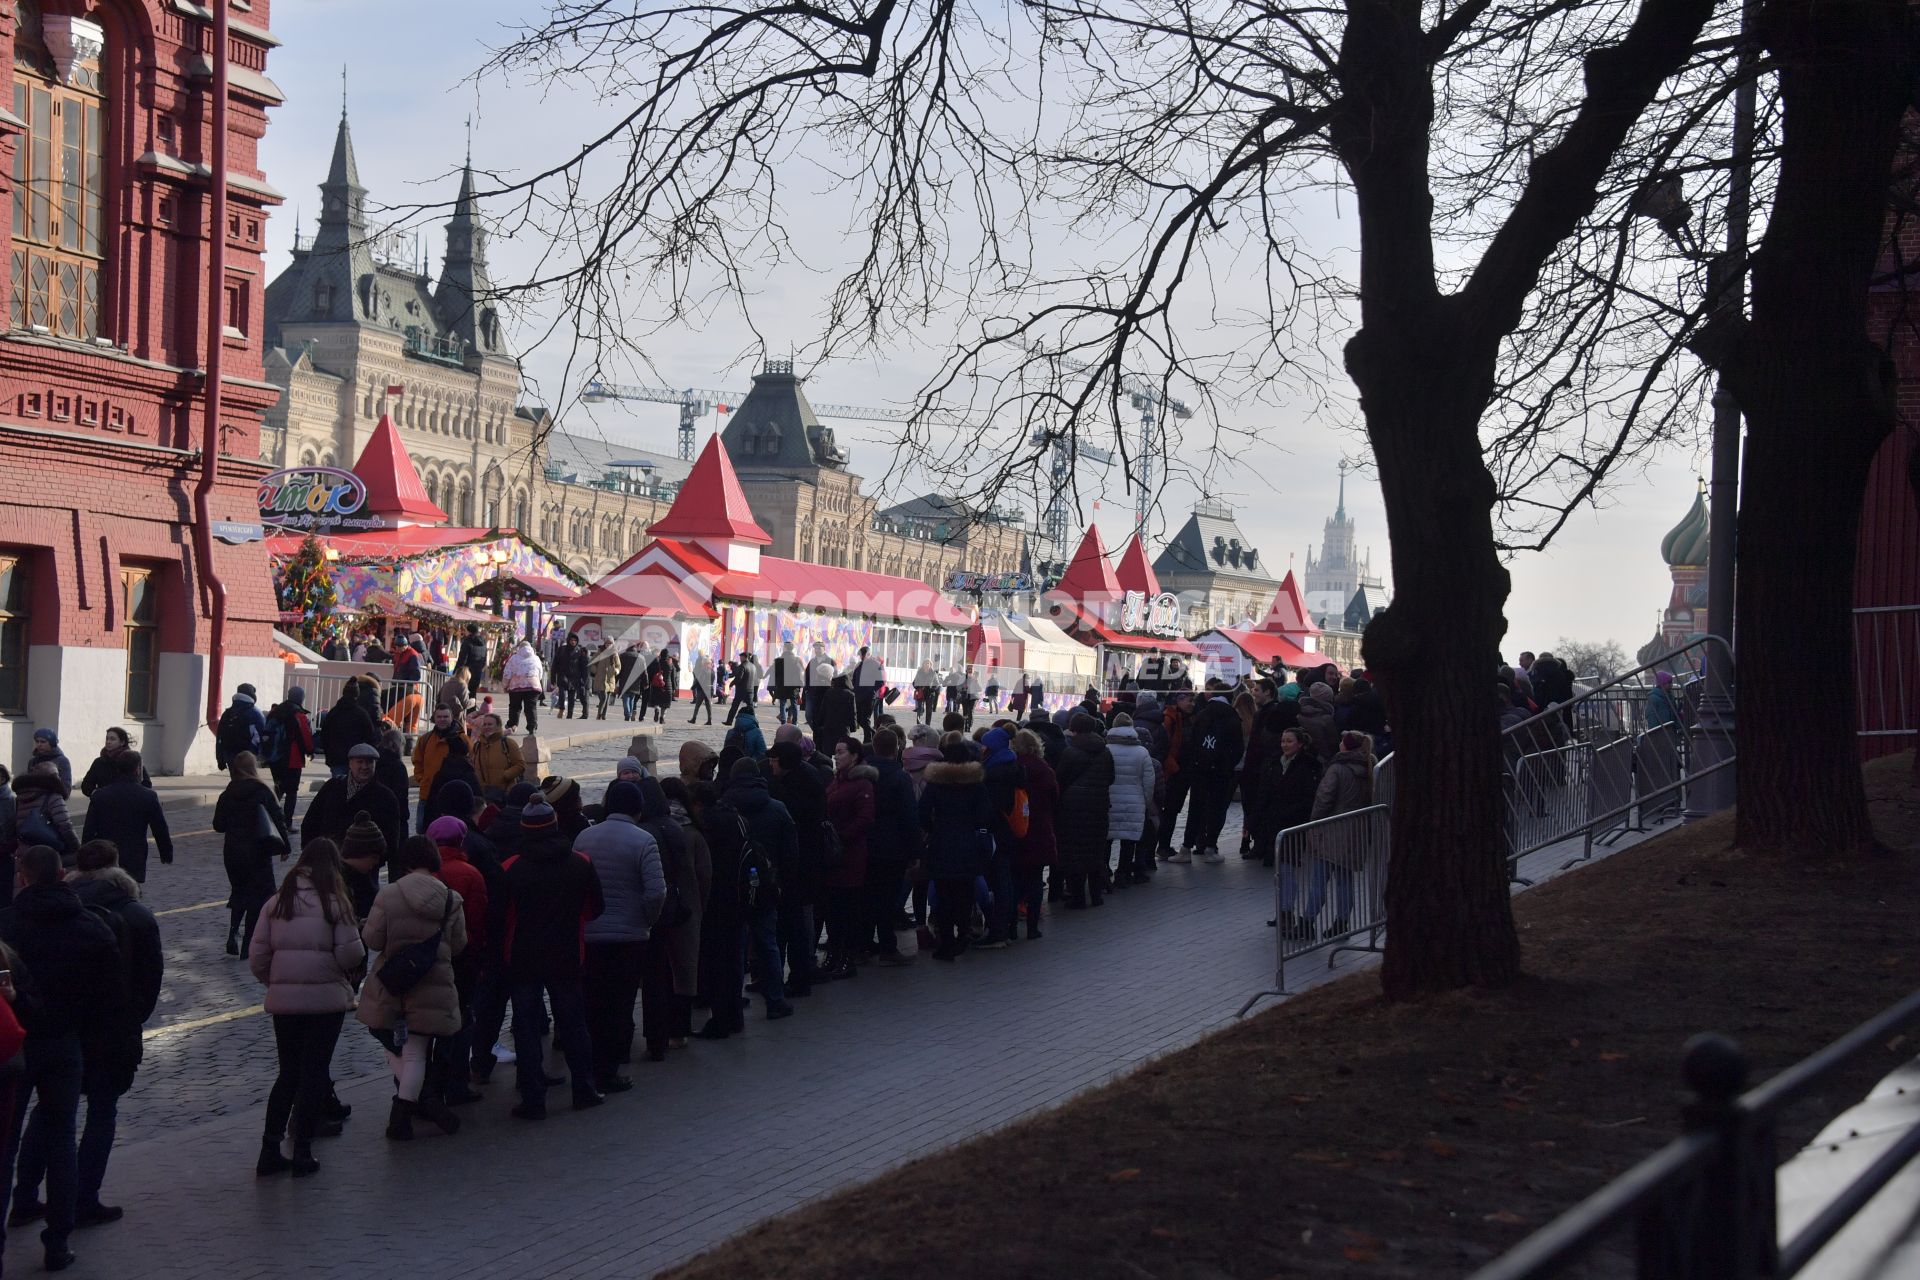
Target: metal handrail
1728,1151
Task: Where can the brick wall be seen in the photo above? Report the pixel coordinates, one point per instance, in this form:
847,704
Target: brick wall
98,443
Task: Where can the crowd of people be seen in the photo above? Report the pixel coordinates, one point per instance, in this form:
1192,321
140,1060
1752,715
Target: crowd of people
471,915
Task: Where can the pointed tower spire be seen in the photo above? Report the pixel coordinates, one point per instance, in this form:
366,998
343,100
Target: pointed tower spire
343,201
464,298
1340,511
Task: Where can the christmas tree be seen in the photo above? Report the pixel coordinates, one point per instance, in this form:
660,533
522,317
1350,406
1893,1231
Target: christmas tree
306,588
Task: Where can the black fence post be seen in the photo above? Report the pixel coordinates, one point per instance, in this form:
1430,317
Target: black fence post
1707,1230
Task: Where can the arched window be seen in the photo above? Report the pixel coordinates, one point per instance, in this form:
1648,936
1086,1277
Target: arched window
466,502
520,511
59,241
326,459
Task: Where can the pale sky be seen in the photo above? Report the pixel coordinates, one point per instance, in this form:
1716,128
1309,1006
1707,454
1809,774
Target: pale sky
409,98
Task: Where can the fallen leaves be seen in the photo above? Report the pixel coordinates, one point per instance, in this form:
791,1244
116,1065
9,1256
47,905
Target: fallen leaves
1445,1150
1506,1218
1123,1175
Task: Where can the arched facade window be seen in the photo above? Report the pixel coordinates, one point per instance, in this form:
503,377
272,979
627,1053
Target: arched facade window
520,511
466,502
59,174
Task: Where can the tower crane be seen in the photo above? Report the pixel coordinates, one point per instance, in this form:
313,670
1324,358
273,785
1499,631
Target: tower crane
696,404
1152,406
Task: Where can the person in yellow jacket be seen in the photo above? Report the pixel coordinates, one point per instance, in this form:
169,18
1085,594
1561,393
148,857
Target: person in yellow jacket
496,757
429,753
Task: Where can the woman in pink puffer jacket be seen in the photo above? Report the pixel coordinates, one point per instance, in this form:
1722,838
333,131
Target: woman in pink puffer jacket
307,950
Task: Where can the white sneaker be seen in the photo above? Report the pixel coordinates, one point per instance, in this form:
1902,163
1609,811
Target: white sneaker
1212,856
503,1055
1180,859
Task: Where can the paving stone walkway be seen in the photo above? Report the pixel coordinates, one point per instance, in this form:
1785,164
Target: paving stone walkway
873,1072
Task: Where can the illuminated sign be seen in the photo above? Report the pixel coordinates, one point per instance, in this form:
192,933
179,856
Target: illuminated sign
960,582
1159,616
315,499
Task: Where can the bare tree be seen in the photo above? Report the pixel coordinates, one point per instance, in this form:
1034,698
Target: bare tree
1503,353
1590,661
1817,390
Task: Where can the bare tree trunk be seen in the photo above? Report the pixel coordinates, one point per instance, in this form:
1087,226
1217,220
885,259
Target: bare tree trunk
1818,398
1435,650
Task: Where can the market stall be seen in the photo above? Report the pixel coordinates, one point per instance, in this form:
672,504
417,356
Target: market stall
1285,640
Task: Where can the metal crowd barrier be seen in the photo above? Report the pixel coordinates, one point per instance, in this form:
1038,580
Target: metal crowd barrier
1886,671
323,689
1610,761
1706,1204
1329,887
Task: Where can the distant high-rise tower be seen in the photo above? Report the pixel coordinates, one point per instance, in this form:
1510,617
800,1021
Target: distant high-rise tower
1339,570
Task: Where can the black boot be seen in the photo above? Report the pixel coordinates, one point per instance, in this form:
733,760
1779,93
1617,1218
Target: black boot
400,1120
233,932
435,1111
271,1161
304,1165
333,1109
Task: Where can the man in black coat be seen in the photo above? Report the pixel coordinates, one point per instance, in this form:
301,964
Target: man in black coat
109,1062
836,715
72,990
747,813
1210,754
473,656
570,668
345,726
547,894
796,785
892,845
124,812
340,800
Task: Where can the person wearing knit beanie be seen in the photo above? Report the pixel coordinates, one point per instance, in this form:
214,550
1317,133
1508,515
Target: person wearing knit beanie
538,816
448,830
624,797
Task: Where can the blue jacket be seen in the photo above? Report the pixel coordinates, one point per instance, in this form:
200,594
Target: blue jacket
632,884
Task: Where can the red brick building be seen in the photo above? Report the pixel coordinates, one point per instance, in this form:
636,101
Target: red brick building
106,146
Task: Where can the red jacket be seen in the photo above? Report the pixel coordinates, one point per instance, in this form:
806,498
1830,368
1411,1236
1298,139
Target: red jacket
850,810
465,879
1040,848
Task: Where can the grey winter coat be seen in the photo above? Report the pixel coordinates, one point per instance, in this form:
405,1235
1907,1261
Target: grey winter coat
407,911
1346,785
307,964
683,941
632,883
1130,796
1317,718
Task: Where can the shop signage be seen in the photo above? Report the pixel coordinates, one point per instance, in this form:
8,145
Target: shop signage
1158,616
960,582
315,500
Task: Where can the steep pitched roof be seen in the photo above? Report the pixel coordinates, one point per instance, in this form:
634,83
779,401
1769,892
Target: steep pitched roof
1135,574
1209,543
711,503
1090,577
1287,615
776,427
393,486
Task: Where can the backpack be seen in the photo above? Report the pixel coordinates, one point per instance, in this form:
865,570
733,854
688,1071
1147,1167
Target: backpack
34,829
235,734
1020,817
759,882
278,737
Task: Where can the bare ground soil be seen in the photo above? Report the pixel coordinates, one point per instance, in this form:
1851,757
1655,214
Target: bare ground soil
1336,1135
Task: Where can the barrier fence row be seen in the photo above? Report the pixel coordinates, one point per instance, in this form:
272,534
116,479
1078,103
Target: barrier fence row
1637,752
1886,672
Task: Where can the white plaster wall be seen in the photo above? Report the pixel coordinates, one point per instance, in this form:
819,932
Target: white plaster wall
80,692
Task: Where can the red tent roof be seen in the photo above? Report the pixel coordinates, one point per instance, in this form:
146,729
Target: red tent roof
644,595
1135,573
1270,647
1288,613
393,486
384,544
1087,629
1089,577
789,584
711,503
